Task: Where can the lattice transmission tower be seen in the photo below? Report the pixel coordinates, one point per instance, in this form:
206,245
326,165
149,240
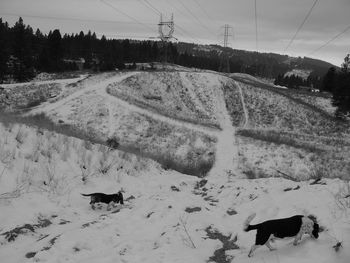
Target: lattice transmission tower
224,60
166,30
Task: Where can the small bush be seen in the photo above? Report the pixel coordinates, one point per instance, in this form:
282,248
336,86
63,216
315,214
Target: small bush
113,143
20,136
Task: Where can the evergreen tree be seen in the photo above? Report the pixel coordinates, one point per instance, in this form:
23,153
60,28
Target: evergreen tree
23,62
55,51
4,49
341,92
329,80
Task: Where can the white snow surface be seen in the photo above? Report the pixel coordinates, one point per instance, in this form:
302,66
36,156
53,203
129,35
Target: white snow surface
166,215
152,225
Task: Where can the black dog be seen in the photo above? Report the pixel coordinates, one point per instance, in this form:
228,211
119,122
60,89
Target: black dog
294,226
104,198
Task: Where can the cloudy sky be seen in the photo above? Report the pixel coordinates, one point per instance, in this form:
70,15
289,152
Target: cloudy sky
202,21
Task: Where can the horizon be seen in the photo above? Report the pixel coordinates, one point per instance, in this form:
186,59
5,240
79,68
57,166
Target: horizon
199,21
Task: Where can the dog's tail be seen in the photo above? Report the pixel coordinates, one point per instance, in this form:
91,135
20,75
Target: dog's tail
246,226
86,194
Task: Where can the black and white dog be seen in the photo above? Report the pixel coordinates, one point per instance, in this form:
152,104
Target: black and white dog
294,226
104,198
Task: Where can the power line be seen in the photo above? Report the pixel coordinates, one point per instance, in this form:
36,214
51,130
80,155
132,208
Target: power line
158,12
151,6
143,3
187,33
256,27
195,17
301,25
72,19
178,27
202,8
178,9
329,41
125,14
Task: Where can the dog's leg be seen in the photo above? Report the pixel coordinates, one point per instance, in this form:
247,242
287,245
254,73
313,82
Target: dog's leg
298,237
253,248
269,245
93,206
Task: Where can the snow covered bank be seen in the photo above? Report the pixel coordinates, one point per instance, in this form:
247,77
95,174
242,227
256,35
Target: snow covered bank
167,216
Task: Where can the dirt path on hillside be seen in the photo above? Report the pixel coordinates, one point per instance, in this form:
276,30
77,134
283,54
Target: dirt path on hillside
40,82
99,86
157,116
226,147
245,110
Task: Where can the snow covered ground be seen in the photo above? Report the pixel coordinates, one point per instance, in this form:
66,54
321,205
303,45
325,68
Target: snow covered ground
167,216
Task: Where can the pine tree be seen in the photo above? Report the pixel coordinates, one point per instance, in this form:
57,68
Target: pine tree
5,49
23,62
329,80
341,93
55,51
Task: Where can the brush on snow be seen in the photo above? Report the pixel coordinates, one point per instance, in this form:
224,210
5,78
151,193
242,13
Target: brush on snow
338,246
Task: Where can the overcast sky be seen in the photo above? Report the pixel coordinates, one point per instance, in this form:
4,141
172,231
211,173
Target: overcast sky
201,21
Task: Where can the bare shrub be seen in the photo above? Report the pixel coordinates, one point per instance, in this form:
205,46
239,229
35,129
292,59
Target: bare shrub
65,152
254,173
34,155
250,173
278,137
317,172
56,143
113,143
88,145
20,136
106,162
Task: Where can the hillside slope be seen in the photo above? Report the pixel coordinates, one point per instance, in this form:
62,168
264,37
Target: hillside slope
290,133
192,121
167,216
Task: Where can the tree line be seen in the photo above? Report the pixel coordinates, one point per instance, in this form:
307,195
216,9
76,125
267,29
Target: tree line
24,53
337,81
295,81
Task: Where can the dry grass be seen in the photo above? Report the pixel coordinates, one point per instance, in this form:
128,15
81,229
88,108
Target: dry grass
278,138
164,92
272,109
193,163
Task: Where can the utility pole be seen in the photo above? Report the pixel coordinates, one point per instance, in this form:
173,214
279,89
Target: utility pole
224,60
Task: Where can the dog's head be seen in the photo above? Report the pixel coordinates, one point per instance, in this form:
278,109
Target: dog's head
315,230
118,198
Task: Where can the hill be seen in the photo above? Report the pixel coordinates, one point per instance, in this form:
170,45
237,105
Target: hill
196,121
268,65
167,216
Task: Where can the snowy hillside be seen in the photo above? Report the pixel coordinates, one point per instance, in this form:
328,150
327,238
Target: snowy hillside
302,73
193,121
167,216
200,123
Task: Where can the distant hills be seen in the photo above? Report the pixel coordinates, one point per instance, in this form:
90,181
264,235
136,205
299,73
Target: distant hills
263,64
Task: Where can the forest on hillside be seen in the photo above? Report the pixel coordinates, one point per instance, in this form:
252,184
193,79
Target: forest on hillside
24,53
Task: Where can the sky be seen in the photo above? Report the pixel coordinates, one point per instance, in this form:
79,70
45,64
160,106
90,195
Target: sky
324,33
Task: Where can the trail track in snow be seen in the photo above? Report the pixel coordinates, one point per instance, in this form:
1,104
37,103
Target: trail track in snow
226,147
245,111
101,85
157,116
40,82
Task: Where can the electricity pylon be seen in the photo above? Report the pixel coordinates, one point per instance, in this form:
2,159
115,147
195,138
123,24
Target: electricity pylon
166,31
224,60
